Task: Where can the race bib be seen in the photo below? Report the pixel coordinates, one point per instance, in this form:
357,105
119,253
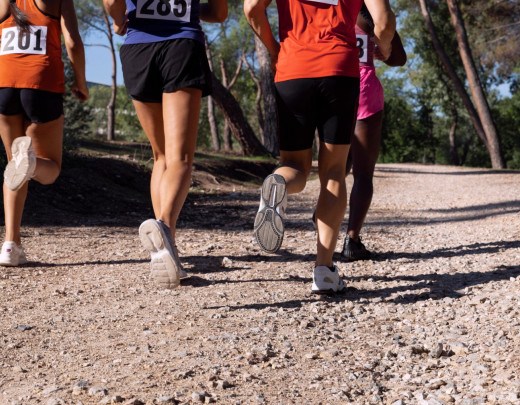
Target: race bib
172,10
331,2
15,41
362,44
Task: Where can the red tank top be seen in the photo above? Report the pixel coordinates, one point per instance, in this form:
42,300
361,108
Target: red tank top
317,39
32,61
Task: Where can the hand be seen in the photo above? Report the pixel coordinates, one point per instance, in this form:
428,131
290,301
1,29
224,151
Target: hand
120,29
382,53
80,91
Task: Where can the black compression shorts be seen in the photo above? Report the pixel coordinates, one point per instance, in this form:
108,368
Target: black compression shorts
328,104
37,106
155,68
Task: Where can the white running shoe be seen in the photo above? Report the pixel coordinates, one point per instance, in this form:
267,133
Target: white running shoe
165,265
12,254
327,281
22,165
269,226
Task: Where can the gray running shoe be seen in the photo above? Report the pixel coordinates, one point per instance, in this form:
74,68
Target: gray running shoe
165,265
269,226
353,250
22,165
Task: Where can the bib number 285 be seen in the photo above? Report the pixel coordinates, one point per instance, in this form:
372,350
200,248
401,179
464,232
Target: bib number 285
15,41
173,10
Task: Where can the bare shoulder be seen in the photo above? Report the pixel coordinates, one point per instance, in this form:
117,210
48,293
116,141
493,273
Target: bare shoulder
49,7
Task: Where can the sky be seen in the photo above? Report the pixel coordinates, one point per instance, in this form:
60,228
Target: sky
99,62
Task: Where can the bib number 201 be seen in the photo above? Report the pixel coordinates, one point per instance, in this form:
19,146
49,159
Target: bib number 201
15,41
173,10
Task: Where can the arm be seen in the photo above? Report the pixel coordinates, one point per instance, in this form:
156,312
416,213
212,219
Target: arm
117,10
255,12
75,49
4,9
384,25
398,55
214,11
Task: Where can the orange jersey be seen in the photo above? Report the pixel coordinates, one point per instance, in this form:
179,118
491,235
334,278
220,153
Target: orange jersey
32,60
317,39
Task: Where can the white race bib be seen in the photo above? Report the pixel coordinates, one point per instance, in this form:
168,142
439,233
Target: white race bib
331,2
362,44
172,10
15,41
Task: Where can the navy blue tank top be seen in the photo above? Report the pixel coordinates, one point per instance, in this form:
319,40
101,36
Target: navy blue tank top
162,20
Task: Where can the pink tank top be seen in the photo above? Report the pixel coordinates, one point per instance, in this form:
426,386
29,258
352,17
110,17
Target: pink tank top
366,45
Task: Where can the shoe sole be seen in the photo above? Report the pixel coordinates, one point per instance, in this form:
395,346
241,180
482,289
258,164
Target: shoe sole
165,268
15,175
269,226
351,257
330,291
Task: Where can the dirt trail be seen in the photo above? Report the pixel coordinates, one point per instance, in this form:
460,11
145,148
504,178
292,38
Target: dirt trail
433,319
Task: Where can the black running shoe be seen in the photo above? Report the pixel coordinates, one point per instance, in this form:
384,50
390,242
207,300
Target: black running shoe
353,250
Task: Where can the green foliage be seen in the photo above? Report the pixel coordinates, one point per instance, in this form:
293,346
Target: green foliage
127,123
507,113
77,114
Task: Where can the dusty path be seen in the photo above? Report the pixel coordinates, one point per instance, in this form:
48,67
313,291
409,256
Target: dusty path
434,318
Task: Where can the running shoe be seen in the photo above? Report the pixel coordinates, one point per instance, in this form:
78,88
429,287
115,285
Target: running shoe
354,250
269,226
327,281
165,265
22,165
12,254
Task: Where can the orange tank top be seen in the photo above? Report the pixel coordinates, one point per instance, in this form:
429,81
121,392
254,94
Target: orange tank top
317,39
32,60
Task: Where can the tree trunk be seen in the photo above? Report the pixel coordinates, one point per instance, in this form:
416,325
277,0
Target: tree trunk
111,107
450,70
213,127
475,86
232,111
454,155
226,137
270,117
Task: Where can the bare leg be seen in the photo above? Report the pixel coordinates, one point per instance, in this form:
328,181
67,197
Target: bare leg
181,112
11,127
171,127
295,168
151,118
47,145
332,200
364,153
47,142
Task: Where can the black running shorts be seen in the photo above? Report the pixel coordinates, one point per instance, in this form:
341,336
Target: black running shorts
328,104
155,68
37,106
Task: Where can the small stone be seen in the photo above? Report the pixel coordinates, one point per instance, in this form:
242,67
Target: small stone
436,351
50,390
23,328
198,396
97,391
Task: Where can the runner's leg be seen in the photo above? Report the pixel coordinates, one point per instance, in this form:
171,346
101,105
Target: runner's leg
332,199
295,167
11,127
364,153
150,116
